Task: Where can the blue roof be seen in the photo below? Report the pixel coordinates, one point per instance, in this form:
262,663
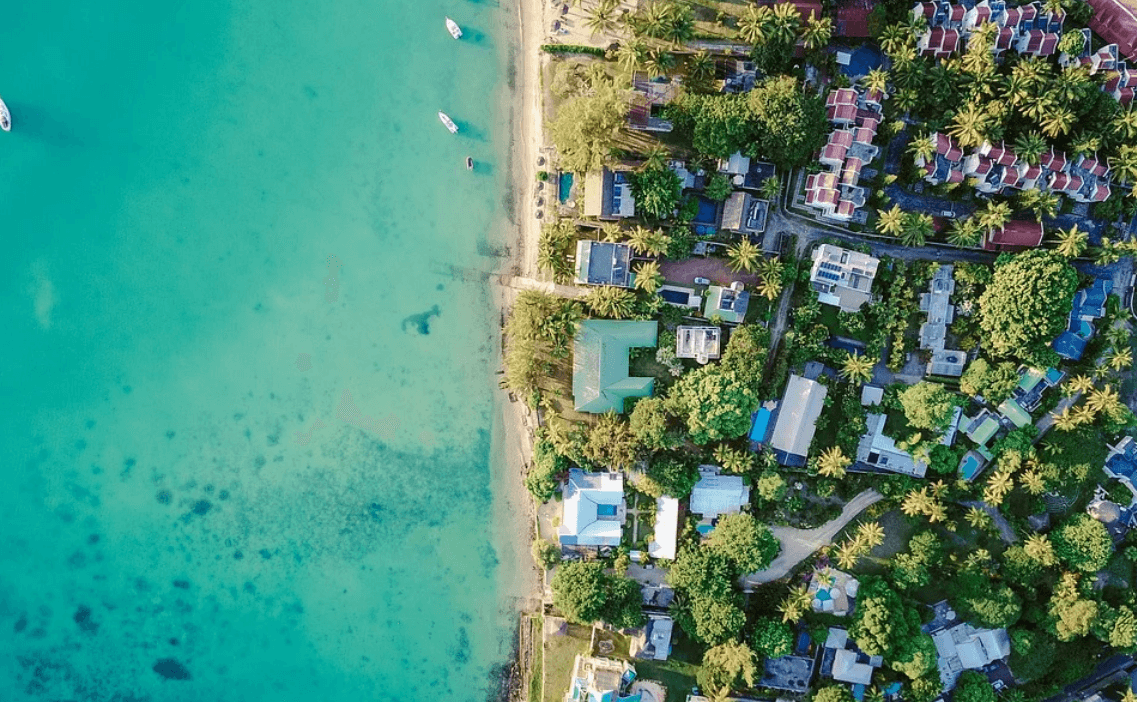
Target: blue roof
761,426
1070,346
1124,464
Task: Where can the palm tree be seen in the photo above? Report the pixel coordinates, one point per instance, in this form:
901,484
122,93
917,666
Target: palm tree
744,256
1103,400
1079,384
964,232
918,226
1039,548
817,32
871,533
658,62
832,462
995,215
1109,252
1119,337
610,231
893,37
1033,482
969,125
1085,144
795,604
847,555
1124,124
771,271
602,19
733,460
877,79
1030,146
1124,165
1128,695
784,23
648,277
771,187
610,301
999,485
647,241
700,67
977,518
936,513
1119,359
1072,242
655,159
680,26
1040,203
906,99
1084,414
1057,122
631,54
1064,420
890,222
857,369
916,502
754,24
770,288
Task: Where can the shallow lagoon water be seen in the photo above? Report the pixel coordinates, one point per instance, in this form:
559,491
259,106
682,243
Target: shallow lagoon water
247,369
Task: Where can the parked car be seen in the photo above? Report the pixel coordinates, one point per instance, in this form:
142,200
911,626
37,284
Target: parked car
702,281
947,213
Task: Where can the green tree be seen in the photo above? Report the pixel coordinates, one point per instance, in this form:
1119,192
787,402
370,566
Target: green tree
545,553
791,123
670,474
718,187
928,405
772,638
648,277
832,463
623,607
817,32
587,127
753,24
656,191
832,693
913,569
715,620
964,232
973,686
745,542
771,187
856,369
544,473
1072,242
579,591
718,125
1032,653
770,487
1084,543
917,228
651,423
890,222
994,216
994,382
744,256
717,404
1027,305
611,443
610,301
725,667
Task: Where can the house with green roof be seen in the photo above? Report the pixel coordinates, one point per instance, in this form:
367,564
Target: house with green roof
600,380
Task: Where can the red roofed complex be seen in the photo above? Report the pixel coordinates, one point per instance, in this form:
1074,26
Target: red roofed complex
1017,234
1116,22
853,19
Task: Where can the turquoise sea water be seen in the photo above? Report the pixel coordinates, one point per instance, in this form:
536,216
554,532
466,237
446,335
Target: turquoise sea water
248,407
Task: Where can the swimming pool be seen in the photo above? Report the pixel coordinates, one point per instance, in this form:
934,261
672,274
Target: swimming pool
564,187
708,212
969,468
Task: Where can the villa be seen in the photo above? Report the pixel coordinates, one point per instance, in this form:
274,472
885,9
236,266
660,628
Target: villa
1015,235
653,642
1089,305
856,115
699,343
1116,22
844,662
604,263
744,214
1121,463
600,680
665,539
649,96
608,195
594,509
961,646
797,420
878,452
1027,29
727,304
716,494
841,277
936,303
600,380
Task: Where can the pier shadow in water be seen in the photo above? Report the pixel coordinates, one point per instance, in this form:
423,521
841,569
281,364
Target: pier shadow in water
469,131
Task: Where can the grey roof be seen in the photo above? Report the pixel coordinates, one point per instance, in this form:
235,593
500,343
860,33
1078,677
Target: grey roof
701,343
797,416
790,673
604,263
948,362
745,213
718,494
878,450
600,380
586,522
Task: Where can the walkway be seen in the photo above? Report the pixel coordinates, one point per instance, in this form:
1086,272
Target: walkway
1006,532
800,544
519,283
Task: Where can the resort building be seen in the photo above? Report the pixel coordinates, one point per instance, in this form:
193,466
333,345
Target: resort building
936,303
1120,81
653,642
600,380
604,263
1027,28
841,277
834,591
716,494
797,420
856,115
1089,305
727,304
649,96
1121,463
600,680
877,452
1118,519
844,662
1015,235
699,343
1116,22
664,540
608,195
996,168
744,214
961,646
594,509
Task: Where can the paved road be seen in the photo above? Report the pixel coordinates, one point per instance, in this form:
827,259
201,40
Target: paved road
800,544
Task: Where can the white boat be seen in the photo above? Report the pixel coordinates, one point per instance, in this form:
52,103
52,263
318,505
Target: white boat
454,29
5,117
448,122
469,163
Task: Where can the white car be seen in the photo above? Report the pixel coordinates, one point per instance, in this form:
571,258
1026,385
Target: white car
702,281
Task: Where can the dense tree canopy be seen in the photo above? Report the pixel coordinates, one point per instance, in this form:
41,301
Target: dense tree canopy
656,191
1083,543
651,423
1032,653
716,403
670,474
973,686
745,541
1027,305
993,381
725,667
884,625
833,693
611,444
543,476
928,405
584,593
772,638
587,128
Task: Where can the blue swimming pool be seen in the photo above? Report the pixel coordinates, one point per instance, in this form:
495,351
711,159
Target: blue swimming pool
969,468
565,187
708,213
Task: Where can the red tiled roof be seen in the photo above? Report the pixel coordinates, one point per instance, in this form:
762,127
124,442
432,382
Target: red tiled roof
984,166
1054,160
1049,44
1116,22
875,96
853,19
955,176
957,12
852,172
1010,176
834,152
1017,233
841,137
845,208
1029,12
865,135
1075,184
1003,41
928,9
1031,172
982,15
870,123
1092,165
842,96
1059,181
1101,193
930,168
1013,17
843,113
1125,95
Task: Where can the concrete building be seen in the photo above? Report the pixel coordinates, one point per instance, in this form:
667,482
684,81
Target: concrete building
604,263
878,452
844,662
600,380
653,642
842,277
716,494
608,195
961,646
936,304
797,420
699,343
663,541
594,509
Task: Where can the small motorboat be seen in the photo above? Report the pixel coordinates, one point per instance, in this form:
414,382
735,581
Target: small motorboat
5,117
453,28
448,122
469,163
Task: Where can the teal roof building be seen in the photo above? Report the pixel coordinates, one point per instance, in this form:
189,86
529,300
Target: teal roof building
600,380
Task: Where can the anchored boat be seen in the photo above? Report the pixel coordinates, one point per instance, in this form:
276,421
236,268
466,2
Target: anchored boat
453,28
448,122
469,163
5,117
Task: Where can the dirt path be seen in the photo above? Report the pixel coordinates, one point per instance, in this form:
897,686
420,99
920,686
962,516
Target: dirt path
799,544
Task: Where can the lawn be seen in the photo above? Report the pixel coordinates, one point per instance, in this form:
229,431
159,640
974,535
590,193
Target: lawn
560,652
536,677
